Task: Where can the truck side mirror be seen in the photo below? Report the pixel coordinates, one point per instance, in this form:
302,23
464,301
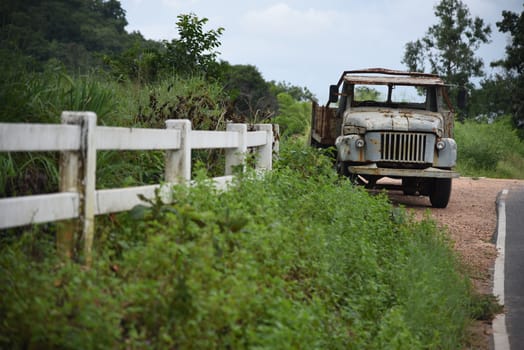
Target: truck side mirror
333,93
462,97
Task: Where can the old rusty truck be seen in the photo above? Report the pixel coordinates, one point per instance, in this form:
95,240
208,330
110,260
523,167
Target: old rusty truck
388,123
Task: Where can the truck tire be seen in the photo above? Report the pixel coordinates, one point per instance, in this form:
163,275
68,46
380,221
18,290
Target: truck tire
440,193
409,186
342,169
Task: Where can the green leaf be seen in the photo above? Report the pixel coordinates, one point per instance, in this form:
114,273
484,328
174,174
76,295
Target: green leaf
139,212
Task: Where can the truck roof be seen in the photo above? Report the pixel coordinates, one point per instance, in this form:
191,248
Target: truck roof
379,76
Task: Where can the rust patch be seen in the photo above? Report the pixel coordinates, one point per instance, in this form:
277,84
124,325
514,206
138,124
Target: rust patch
361,155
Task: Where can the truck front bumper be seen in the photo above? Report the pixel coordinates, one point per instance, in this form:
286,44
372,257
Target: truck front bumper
372,169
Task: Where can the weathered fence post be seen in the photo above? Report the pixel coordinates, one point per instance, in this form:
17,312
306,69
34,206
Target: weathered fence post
276,139
178,162
78,174
236,156
264,157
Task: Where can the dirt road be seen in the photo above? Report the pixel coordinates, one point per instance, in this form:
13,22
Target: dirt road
471,221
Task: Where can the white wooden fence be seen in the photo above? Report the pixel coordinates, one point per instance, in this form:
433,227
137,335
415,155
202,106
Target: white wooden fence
78,139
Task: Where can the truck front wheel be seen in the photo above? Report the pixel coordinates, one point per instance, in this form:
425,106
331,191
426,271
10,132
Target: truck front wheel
440,193
343,169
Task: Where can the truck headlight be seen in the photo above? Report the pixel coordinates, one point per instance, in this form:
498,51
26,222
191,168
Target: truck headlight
440,145
360,143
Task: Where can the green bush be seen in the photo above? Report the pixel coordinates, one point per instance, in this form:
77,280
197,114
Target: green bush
492,150
297,258
293,116
51,304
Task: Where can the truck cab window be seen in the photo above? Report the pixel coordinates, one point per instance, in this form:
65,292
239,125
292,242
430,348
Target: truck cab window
370,95
409,95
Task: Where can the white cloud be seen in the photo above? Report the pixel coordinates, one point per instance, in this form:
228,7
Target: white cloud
177,4
285,22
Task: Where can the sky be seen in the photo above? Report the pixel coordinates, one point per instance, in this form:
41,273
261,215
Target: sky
309,43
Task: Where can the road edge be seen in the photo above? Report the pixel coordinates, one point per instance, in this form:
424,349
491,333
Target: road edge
500,335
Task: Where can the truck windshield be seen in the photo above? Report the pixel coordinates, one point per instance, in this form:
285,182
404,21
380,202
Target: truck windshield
407,96
371,93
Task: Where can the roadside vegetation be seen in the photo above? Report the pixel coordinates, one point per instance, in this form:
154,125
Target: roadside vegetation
297,258
489,149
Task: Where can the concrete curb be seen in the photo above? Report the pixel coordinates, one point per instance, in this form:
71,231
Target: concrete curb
500,335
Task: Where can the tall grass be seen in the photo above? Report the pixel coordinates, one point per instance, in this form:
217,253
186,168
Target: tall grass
298,258
491,150
40,97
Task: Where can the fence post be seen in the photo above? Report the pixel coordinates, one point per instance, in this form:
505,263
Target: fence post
236,156
69,182
78,174
264,159
276,139
178,162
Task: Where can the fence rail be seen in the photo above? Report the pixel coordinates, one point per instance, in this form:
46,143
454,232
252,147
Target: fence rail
78,139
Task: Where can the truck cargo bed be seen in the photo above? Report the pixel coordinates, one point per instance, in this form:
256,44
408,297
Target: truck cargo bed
325,126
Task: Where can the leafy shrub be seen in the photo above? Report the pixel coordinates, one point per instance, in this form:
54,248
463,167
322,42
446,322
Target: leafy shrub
52,304
297,258
493,150
293,116
485,307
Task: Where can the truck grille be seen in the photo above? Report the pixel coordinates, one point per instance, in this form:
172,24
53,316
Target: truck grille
403,147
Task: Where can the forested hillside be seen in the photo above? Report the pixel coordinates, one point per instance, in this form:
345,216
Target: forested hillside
77,33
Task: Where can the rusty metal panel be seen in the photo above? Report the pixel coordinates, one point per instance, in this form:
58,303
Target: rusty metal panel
448,124
324,125
390,72
397,80
384,72
432,172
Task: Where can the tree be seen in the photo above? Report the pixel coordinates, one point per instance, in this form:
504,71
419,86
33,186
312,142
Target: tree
76,32
293,116
363,93
249,92
297,92
513,24
449,46
493,98
113,11
194,52
141,62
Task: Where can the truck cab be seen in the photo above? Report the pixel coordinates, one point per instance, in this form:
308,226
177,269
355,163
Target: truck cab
387,123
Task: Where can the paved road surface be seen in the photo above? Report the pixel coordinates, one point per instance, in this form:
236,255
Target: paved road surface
514,268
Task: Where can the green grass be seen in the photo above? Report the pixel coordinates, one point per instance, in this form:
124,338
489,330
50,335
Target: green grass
298,258
490,150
